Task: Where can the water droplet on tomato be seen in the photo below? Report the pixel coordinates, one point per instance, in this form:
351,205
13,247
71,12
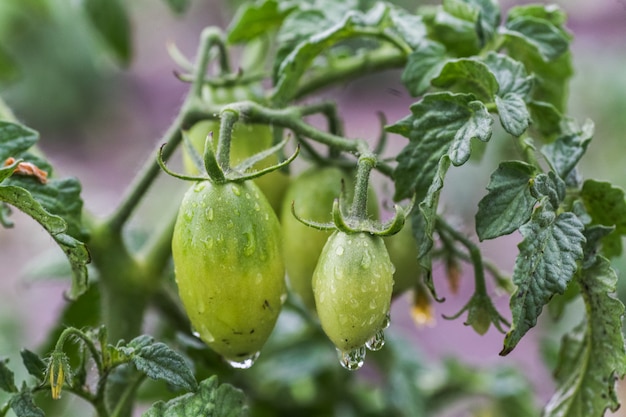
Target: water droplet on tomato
339,251
195,333
386,321
353,359
372,304
244,363
376,342
283,298
199,187
250,247
209,214
257,207
230,224
236,190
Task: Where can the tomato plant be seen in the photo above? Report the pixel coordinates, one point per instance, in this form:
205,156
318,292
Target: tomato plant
164,318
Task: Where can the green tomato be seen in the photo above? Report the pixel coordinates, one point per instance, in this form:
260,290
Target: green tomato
246,141
313,193
229,267
403,253
352,284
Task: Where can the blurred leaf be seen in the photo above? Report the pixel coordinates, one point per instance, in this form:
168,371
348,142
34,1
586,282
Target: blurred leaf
606,205
592,356
8,67
34,364
467,75
455,25
7,378
551,12
257,18
548,40
509,203
565,152
15,139
424,63
546,119
210,400
178,6
110,20
23,404
546,263
441,123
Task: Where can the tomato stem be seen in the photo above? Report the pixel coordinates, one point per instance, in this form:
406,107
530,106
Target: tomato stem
228,118
365,165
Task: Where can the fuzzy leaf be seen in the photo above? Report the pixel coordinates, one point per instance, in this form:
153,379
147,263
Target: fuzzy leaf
15,139
33,364
158,361
592,356
467,75
23,404
509,203
7,378
548,39
566,151
544,267
606,206
455,26
513,113
440,124
210,400
422,66
110,20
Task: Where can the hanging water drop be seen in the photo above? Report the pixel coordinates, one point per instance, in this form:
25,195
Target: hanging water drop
386,322
195,333
353,359
376,342
244,363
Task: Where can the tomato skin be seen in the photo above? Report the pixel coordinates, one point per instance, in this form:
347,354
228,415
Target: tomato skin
229,267
312,192
403,254
352,283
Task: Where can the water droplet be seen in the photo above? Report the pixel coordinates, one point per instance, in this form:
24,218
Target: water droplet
244,363
250,247
259,278
353,359
237,192
248,196
376,342
366,261
372,304
283,298
230,224
209,214
195,333
386,321
257,207
339,250
199,187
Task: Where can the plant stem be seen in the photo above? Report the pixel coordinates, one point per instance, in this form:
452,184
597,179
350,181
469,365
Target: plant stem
359,204
227,123
73,332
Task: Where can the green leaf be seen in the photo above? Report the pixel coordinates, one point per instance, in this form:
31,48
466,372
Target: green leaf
548,40
509,202
566,151
544,267
75,250
592,356
594,236
211,400
15,139
458,35
423,65
409,27
257,18
551,12
158,361
514,88
110,20
606,206
8,67
488,19
546,119
7,378
34,364
440,124
467,75
551,186
178,6
23,404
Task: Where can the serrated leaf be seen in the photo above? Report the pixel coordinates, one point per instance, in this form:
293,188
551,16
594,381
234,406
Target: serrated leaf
75,250
551,186
15,139
606,205
488,19
467,75
440,124
258,18
178,6
410,27
7,378
565,152
23,404
592,356
509,202
158,361
33,364
110,20
422,66
211,400
548,40
544,267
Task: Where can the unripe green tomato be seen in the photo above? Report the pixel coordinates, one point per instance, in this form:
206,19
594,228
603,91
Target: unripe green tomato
229,267
312,192
403,254
352,284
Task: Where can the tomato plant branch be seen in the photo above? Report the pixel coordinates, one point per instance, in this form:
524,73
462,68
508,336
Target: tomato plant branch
125,401
72,332
364,167
227,123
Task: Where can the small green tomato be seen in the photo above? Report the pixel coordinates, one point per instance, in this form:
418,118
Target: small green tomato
229,267
352,284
